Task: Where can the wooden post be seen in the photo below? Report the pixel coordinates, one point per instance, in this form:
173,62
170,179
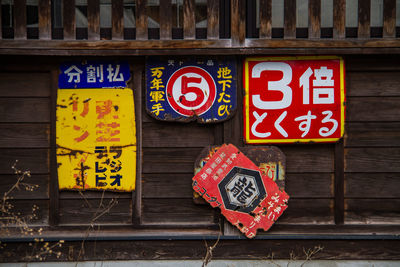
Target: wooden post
314,19
189,19
141,20
389,18
364,16
339,19
289,19
213,19
265,19
165,20
20,20
93,17
69,19
44,10
117,31
238,24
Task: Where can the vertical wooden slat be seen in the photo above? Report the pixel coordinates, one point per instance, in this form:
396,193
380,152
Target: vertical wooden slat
389,18
93,17
1,26
212,19
238,24
339,182
265,19
339,19
44,11
117,18
141,20
364,16
53,184
69,19
165,20
189,19
289,19
314,18
20,19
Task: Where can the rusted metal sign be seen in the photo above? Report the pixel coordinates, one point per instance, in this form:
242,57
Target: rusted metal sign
96,139
191,89
247,197
294,99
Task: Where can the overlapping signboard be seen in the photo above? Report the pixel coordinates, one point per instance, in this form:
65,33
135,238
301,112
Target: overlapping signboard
247,196
191,89
95,128
294,99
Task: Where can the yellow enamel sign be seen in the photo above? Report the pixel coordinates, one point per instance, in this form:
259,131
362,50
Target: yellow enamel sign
96,139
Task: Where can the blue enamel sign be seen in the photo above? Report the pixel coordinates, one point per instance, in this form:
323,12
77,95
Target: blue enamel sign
93,74
190,89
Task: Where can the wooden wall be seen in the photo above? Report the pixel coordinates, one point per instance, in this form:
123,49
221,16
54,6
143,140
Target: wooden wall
344,189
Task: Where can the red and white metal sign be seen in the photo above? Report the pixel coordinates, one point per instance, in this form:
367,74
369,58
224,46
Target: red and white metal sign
247,198
294,99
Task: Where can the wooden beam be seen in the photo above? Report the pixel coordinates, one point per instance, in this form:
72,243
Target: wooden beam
93,17
44,12
165,20
389,18
212,19
289,19
117,17
238,23
339,19
314,19
69,20
265,19
141,20
189,19
20,19
364,17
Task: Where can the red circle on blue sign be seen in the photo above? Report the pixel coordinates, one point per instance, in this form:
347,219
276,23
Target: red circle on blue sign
191,91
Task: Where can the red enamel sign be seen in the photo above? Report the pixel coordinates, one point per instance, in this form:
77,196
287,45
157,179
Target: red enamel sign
247,198
294,99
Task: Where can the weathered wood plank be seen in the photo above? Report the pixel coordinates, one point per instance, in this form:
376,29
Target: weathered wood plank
81,195
314,19
24,110
189,19
169,211
213,19
117,18
238,23
382,63
364,17
372,185
24,84
372,134
365,109
265,19
389,18
25,208
177,135
69,19
93,17
89,211
24,135
41,192
308,211
373,83
44,13
372,159
372,211
141,20
339,19
20,20
339,183
165,20
289,14
33,160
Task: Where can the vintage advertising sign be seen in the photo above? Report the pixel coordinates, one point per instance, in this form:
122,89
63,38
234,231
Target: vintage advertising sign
294,99
96,139
94,74
188,89
247,198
